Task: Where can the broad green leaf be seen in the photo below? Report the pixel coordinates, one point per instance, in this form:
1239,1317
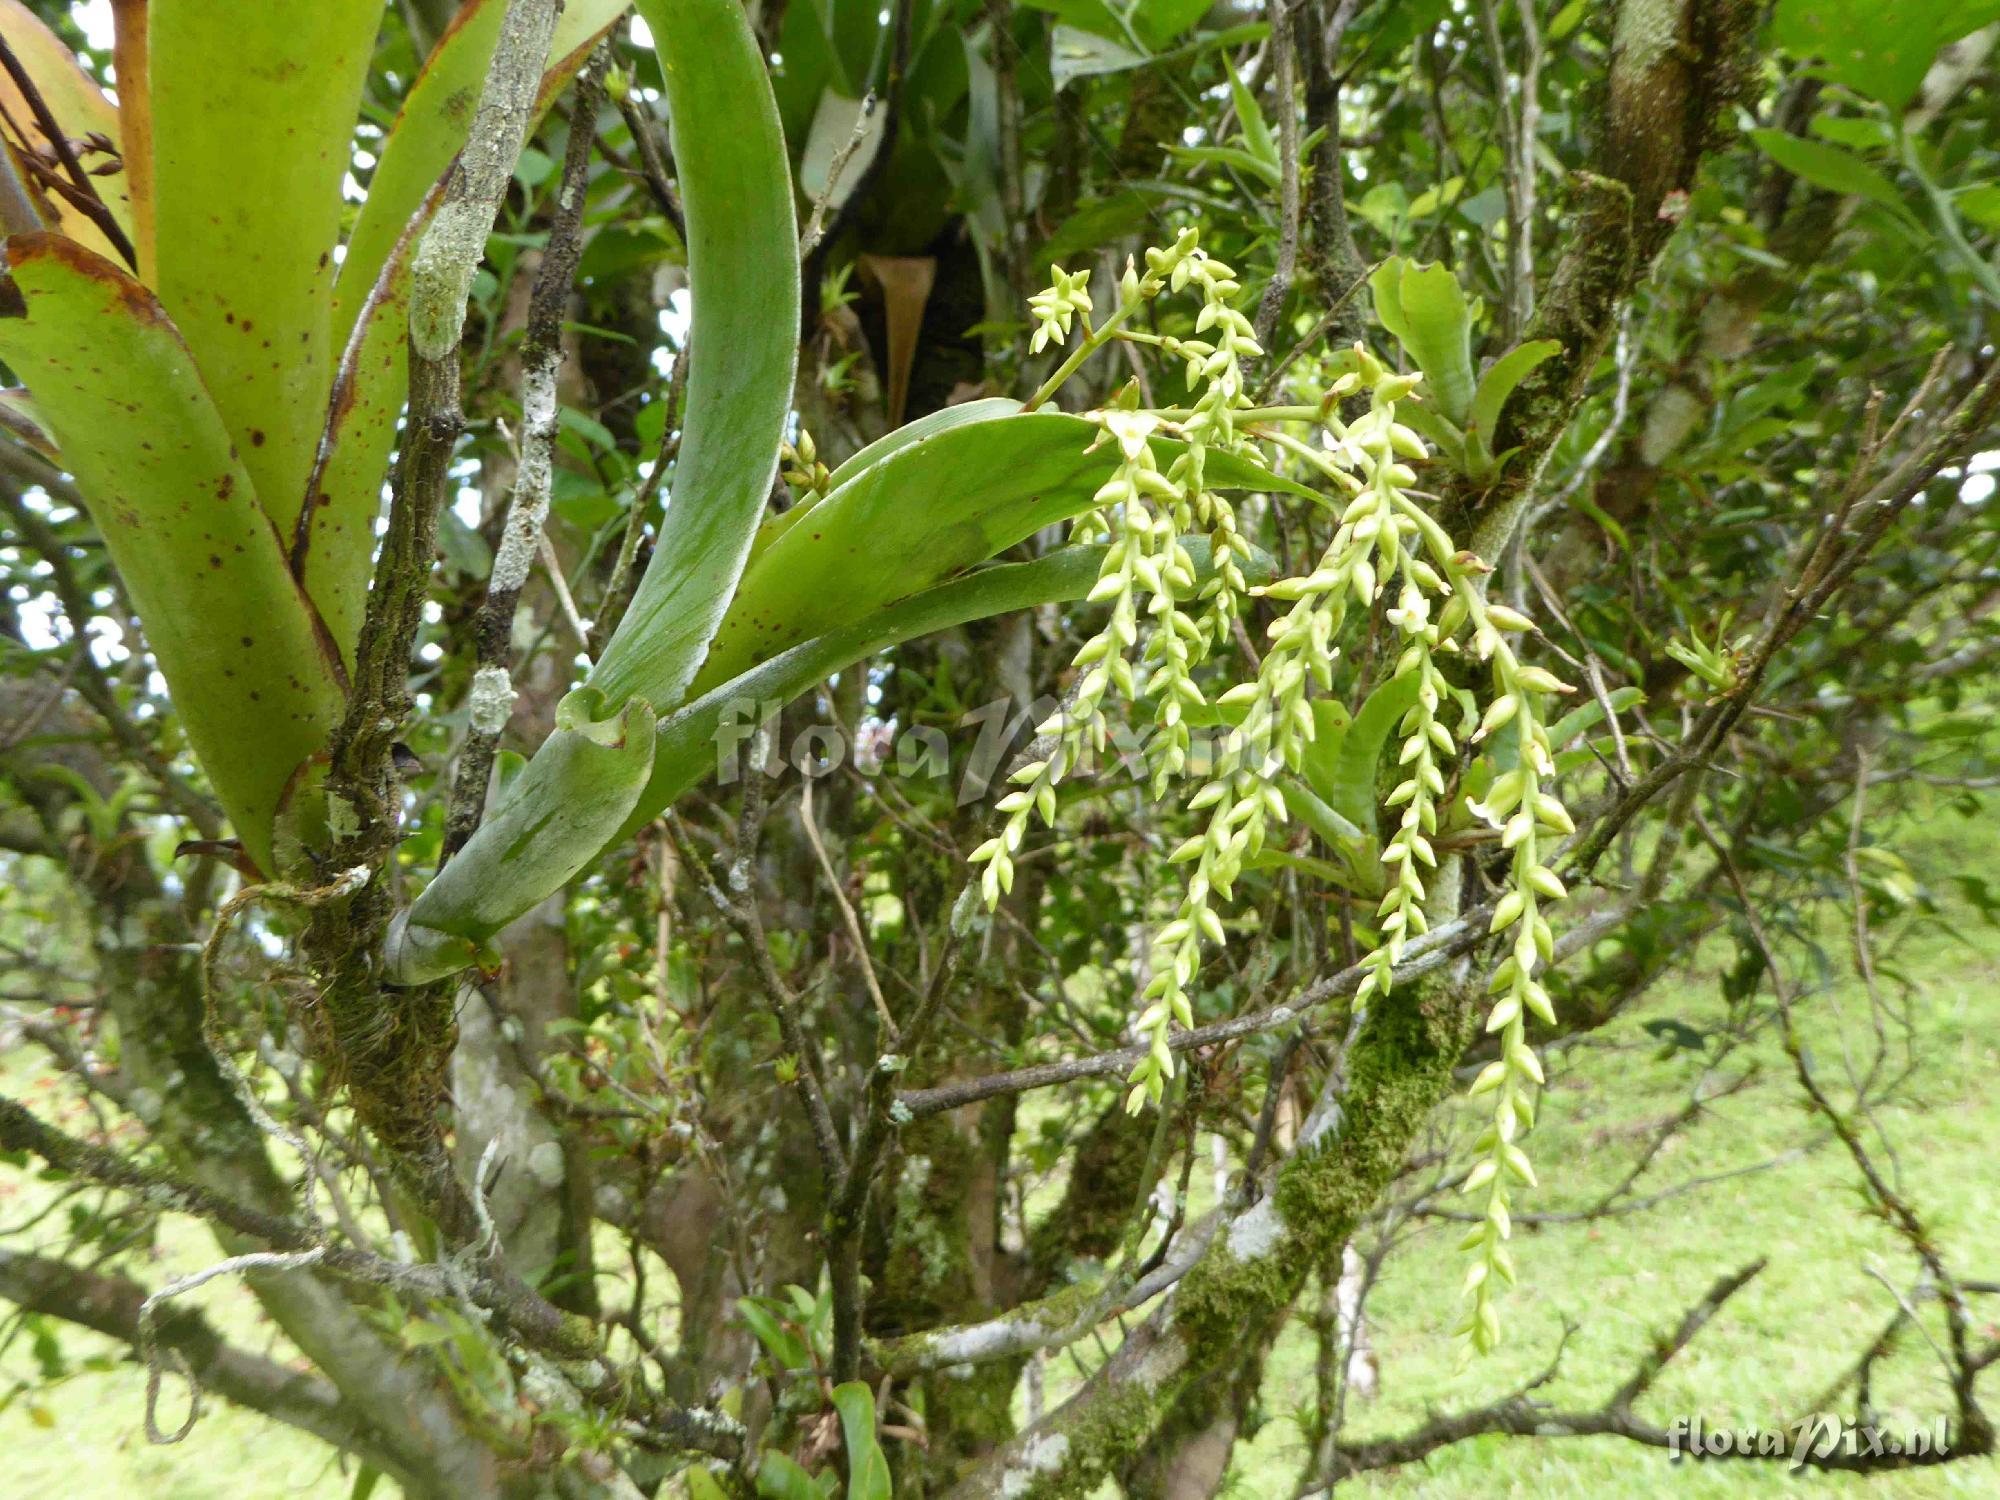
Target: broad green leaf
1498,383
331,548
1863,133
1425,308
1075,53
923,512
743,270
942,420
1097,222
79,107
1876,48
1589,712
430,128
1385,205
784,1346
1361,748
929,425
1831,167
552,820
687,743
1153,23
867,1469
1979,203
779,1477
251,670
1317,814
1086,15
253,112
1330,721
1160,22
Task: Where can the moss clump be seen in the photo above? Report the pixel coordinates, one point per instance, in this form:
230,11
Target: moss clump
922,1265
1400,1067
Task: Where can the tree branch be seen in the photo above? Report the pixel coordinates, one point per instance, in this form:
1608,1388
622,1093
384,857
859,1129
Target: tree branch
110,1305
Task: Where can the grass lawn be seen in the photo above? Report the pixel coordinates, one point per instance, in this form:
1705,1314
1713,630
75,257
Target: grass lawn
1764,1359
1776,1344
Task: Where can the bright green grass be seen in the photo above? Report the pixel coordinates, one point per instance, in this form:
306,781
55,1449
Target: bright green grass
1770,1352
1781,1340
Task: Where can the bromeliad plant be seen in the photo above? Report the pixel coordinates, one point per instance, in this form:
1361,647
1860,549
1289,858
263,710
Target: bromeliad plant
218,369
228,400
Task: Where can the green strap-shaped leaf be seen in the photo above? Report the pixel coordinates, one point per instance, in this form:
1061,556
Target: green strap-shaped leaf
743,271
1425,308
253,111
941,420
779,1341
1586,714
1320,763
685,749
251,670
430,128
1832,167
779,1477
331,547
491,882
867,1469
552,820
1317,814
929,425
1250,119
1361,750
921,513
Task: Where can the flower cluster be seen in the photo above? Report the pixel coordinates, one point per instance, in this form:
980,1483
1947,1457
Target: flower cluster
801,468
1165,619
1054,308
1525,813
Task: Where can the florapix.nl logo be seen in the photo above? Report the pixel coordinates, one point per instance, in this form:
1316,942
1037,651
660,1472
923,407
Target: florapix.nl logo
1810,1441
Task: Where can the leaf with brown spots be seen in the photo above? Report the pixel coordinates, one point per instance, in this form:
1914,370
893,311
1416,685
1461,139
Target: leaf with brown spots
252,112
251,671
335,534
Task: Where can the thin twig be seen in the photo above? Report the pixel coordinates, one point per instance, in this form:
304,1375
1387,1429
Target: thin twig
816,224
806,1074
82,193
618,587
491,697
846,909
